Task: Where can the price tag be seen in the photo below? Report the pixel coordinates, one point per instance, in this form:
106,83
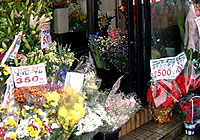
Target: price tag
32,75
167,68
14,52
46,36
9,96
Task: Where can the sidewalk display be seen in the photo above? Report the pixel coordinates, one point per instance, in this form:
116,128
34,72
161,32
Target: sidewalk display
44,98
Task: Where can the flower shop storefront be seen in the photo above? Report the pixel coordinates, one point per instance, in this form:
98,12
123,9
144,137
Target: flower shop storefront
49,92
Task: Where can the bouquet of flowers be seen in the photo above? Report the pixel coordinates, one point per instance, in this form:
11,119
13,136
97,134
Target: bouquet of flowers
61,3
104,20
119,109
42,113
77,19
58,59
110,50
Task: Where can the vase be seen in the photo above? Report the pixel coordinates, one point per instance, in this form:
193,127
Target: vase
61,23
107,77
190,128
107,135
162,115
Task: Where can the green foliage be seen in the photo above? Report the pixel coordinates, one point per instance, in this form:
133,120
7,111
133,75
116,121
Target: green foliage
24,16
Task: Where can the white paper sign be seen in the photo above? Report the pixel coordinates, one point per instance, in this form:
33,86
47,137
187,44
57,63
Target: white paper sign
167,68
46,36
74,80
11,49
15,50
9,96
32,75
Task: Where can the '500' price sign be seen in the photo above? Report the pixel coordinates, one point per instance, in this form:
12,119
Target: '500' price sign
32,75
167,68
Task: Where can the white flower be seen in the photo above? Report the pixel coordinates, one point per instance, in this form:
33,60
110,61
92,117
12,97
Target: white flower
54,125
26,107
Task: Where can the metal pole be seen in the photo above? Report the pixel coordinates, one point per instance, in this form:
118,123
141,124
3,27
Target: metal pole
131,49
139,50
92,9
147,16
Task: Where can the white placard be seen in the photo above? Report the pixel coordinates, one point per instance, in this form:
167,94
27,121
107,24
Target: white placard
8,100
74,80
32,75
167,68
46,36
15,50
11,48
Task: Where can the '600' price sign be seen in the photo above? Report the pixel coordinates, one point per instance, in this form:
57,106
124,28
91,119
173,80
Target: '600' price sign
32,75
167,68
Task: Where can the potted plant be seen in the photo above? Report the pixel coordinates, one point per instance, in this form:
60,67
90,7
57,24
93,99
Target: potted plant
162,96
61,23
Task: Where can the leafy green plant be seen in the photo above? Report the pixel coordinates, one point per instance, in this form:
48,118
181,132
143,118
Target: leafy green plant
26,16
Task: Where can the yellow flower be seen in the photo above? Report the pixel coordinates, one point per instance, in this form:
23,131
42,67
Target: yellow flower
53,98
1,49
12,136
12,122
38,111
62,111
5,73
34,133
32,107
39,122
23,112
29,128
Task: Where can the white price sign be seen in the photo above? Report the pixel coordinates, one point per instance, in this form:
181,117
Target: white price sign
167,68
46,36
32,75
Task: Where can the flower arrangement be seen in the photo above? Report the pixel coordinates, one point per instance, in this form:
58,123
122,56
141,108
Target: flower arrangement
110,50
42,113
77,19
119,108
57,59
189,84
61,3
104,20
163,94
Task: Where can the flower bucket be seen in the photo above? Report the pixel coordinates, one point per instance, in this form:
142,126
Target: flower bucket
190,128
107,135
162,115
191,119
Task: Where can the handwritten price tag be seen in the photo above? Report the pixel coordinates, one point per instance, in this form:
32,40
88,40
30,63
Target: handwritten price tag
32,75
167,68
46,36
9,96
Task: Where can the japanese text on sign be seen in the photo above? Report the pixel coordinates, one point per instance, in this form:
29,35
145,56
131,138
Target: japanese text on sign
29,75
46,36
9,96
167,68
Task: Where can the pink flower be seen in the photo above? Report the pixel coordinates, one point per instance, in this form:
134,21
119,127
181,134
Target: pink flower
133,102
110,107
126,101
